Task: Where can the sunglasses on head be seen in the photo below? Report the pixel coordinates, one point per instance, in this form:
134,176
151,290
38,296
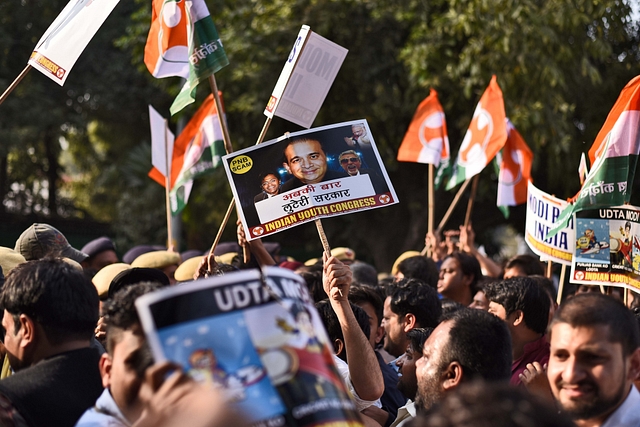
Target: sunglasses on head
350,159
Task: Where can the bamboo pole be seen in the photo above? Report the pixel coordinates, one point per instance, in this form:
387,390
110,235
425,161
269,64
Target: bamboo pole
325,243
561,284
431,205
453,204
549,265
167,183
221,229
15,83
474,189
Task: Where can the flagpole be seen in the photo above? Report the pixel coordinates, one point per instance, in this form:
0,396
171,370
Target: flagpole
474,189
453,204
561,284
431,205
221,229
549,265
325,243
15,83
228,148
167,183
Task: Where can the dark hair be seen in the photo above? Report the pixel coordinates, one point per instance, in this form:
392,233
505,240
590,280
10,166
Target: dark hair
528,264
360,294
120,312
469,266
415,297
481,404
417,337
332,325
522,293
263,175
481,343
547,285
295,141
313,279
364,274
591,309
449,306
54,294
419,267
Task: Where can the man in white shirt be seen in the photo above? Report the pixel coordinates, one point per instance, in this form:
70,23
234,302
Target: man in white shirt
595,357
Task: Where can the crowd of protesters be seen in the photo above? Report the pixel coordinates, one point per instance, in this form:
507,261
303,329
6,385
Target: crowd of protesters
446,339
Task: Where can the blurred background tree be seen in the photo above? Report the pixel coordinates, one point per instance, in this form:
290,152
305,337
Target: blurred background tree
81,152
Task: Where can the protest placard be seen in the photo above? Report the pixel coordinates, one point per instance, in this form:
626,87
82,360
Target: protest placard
259,339
63,42
306,78
323,172
607,248
542,211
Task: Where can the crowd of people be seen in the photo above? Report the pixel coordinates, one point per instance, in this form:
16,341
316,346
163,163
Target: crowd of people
450,338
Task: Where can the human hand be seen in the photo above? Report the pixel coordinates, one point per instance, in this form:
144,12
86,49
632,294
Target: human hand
336,278
434,243
534,378
467,239
206,267
100,330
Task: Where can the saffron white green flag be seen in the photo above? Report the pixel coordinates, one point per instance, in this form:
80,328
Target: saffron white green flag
61,45
486,135
197,151
614,156
183,41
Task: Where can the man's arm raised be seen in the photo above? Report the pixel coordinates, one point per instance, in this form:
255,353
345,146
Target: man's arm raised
364,370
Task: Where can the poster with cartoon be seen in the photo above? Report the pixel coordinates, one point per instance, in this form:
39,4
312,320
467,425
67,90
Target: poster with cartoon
607,247
322,172
256,336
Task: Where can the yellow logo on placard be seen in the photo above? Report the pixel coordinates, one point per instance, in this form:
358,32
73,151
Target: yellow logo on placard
241,164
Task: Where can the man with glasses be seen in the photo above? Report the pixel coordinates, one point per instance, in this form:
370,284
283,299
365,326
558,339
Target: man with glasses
352,164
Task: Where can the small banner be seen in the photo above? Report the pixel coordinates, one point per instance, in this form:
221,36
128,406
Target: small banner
542,212
607,247
256,336
323,172
61,45
306,78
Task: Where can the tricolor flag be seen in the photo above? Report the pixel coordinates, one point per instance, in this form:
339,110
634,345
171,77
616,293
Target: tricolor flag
60,46
183,41
196,152
582,169
426,140
515,161
486,135
614,156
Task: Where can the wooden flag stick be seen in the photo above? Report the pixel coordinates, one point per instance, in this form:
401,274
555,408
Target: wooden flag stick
228,148
474,189
602,291
13,85
626,297
221,229
453,204
167,183
549,265
431,205
325,243
561,284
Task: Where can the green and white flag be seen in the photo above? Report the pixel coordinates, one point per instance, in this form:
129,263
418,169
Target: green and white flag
183,41
614,156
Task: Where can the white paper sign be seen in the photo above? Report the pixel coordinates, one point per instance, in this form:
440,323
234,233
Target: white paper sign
66,38
159,150
303,86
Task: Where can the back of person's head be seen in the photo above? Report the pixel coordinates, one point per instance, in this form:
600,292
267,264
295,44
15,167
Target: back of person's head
592,310
469,266
527,265
120,312
481,343
362,294
481,404
332,324
417,337
55,295
547,285
449,306
313,279
524,294
420,267
364,274
415,297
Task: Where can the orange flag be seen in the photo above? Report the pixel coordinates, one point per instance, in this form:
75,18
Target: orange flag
426,140
515,169
486,136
